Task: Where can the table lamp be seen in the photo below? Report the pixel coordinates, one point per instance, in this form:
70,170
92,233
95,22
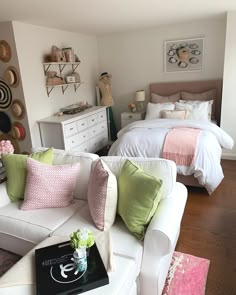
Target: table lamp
140,98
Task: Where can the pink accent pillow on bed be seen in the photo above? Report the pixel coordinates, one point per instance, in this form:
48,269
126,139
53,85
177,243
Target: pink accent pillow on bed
181,115
49,186
102,195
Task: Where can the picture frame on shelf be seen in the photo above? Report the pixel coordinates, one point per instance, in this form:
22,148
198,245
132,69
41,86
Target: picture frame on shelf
184,55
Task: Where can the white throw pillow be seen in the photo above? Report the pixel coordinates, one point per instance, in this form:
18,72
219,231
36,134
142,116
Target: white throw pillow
102,195
194,111
210,103
154,109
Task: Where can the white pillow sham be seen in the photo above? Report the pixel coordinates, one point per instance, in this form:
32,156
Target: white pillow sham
210,103
154,109
195,111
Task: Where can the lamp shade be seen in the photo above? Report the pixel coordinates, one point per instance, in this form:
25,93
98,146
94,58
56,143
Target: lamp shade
140,95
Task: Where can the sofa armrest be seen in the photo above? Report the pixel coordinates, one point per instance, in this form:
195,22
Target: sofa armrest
161,232
161,237
4,199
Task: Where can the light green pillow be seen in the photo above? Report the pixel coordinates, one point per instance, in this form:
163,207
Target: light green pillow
16,171
139,196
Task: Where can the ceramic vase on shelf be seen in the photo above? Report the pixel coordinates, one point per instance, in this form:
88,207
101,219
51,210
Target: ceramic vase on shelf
80,259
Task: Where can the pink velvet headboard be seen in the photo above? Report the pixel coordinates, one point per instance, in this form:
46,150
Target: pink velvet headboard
168,88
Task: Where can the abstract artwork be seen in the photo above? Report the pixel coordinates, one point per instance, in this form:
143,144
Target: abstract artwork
183,55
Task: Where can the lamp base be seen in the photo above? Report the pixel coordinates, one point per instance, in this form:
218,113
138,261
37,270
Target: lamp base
140,106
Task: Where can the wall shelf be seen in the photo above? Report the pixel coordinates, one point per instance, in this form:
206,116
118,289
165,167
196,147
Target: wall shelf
61,66
63,87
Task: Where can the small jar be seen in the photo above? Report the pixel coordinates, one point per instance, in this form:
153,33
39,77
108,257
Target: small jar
80,259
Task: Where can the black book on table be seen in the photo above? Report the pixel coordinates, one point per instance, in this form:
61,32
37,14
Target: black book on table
56,275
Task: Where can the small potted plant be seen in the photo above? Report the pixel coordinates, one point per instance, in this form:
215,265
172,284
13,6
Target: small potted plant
80,241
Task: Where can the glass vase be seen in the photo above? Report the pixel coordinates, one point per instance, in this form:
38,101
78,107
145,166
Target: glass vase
80,259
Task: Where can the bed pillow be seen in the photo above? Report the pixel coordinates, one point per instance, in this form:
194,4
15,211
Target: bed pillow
16,172
154,110
210,103
202,96
139,196
49,186
102,195
156,98
181,115
194,111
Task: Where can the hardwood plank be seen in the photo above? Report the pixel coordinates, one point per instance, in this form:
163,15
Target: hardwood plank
209,230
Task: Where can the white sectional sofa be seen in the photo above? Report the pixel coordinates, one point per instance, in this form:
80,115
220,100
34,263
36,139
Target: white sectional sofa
148,261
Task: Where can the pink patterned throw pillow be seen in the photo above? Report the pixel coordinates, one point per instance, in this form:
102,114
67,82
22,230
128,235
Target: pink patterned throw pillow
102,195
49,186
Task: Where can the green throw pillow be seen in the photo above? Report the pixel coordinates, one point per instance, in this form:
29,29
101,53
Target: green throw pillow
139,196
16,171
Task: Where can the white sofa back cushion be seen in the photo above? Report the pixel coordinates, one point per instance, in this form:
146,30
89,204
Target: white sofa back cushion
85,160
160,168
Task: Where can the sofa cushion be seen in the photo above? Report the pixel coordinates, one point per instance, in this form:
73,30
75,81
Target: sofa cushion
49,186
34,225
139,196
85,160
160,168
16,171
102,195
123,243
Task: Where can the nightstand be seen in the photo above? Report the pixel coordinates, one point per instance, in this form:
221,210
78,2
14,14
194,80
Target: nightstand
128,117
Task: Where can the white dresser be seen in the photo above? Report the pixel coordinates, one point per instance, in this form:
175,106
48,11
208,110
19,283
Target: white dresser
86,131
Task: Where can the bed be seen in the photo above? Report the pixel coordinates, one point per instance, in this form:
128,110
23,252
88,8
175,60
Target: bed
199,104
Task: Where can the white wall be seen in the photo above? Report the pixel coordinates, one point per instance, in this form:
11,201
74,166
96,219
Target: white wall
135,59
228,120
32,43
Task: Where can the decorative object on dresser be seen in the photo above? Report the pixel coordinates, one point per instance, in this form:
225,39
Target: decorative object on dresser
86,131
128,117
183,55
140,98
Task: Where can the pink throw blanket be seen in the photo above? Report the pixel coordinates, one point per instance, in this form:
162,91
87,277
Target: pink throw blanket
180,145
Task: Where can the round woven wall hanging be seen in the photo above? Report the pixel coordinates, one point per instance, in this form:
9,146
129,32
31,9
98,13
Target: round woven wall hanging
5,122
18,109
5,96
11,76
18,131
5,51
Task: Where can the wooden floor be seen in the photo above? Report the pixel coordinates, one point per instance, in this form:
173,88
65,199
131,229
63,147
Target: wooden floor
209,230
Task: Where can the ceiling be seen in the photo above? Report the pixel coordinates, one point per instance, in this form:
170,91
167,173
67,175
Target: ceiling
101,17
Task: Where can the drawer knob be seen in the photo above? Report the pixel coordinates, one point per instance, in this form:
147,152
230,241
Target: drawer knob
130,116
71,128
83,124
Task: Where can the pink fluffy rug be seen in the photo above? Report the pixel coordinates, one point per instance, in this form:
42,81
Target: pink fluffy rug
187,275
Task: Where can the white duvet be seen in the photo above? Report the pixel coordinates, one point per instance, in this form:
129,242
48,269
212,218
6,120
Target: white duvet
146,138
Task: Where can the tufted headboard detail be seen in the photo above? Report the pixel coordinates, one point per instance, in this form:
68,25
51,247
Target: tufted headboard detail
169,88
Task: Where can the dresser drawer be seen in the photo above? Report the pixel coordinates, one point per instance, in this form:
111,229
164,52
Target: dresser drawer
83,136
101,116
130,116
72,142
82,124
92,120
70,129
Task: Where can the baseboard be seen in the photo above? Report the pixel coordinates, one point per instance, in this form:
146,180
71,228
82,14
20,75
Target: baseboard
228,156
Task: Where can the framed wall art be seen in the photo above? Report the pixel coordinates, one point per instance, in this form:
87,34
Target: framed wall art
184,55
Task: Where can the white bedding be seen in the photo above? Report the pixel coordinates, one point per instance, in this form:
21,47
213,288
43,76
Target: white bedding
146,138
